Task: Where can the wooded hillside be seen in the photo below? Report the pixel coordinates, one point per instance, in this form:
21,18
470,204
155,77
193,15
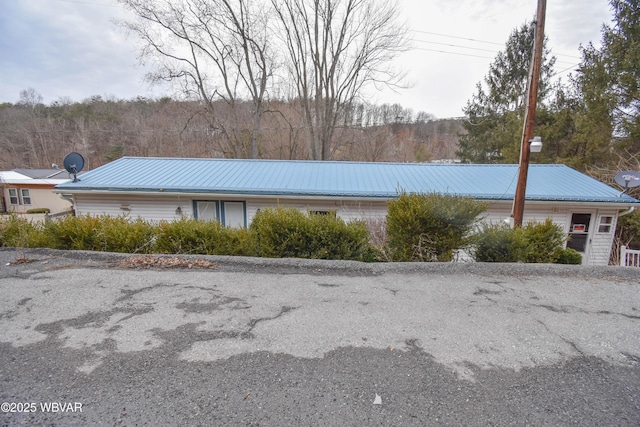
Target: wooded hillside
34,135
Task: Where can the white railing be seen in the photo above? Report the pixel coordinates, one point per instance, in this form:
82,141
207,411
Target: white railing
629,257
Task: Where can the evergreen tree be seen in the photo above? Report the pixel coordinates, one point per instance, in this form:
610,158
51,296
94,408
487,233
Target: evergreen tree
495,113
606,98
621,53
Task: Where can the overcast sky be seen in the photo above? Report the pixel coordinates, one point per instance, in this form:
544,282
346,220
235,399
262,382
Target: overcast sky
71,48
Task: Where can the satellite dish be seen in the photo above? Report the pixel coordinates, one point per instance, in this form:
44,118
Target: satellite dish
628,179
73,163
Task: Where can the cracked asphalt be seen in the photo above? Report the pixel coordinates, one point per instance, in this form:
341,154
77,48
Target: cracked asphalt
303,342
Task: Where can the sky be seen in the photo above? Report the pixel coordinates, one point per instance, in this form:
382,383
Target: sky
72,49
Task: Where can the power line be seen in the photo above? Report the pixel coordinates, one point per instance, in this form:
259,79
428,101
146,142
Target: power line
458,37
472,40
452,53
565,70
455,45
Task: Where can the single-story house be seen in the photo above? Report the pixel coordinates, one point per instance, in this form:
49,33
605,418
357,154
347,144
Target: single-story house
28,189
232,191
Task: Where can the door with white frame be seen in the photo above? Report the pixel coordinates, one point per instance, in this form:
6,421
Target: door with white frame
580,230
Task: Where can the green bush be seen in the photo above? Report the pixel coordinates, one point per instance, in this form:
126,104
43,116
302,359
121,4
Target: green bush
288,233
569,256
191,236
499,243
121,234
100,233
75,233
544,240
21,233
332,238
533,243
430,227
281,233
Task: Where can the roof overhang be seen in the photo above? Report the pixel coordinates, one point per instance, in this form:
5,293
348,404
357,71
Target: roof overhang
622,204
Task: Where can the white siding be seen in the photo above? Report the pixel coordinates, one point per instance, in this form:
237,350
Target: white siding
501,213
163,207
158,207
347,210
601,242
152,208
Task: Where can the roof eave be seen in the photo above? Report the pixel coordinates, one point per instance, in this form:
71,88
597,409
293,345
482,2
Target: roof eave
319,195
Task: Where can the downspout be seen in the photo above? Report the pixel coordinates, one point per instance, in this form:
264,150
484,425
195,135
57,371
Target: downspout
627,212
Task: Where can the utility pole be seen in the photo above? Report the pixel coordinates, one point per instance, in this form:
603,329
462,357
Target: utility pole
530,116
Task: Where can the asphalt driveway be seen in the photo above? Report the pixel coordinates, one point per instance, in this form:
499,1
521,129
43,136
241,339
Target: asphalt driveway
107,339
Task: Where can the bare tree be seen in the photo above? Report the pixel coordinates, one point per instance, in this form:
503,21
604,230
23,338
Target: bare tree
30,98
336,48
214,49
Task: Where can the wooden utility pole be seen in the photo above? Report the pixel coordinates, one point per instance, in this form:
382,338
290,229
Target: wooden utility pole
530,116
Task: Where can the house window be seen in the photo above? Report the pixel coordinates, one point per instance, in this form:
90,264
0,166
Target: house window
13,196
606,224
207,210
25,196
233,214
230,214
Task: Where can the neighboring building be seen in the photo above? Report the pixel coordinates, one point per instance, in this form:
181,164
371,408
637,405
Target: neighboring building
27,189
232,191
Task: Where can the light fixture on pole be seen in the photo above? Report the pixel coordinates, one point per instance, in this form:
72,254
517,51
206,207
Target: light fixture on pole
535,144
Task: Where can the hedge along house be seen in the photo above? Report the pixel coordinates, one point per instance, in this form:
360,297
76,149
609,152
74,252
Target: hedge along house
232,191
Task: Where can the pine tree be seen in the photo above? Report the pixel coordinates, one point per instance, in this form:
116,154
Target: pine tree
494,115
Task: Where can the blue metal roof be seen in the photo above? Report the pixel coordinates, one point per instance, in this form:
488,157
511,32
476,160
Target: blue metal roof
340,179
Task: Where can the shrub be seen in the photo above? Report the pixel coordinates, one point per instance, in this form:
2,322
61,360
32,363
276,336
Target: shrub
430,227
569,256
21,233
499,243
191,236
74,233
281,233
100,233
121,234
287,232
332,238
533,243
544,240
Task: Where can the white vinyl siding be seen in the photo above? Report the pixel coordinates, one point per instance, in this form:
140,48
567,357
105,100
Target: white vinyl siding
601,242
234,212
347,210
152,208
